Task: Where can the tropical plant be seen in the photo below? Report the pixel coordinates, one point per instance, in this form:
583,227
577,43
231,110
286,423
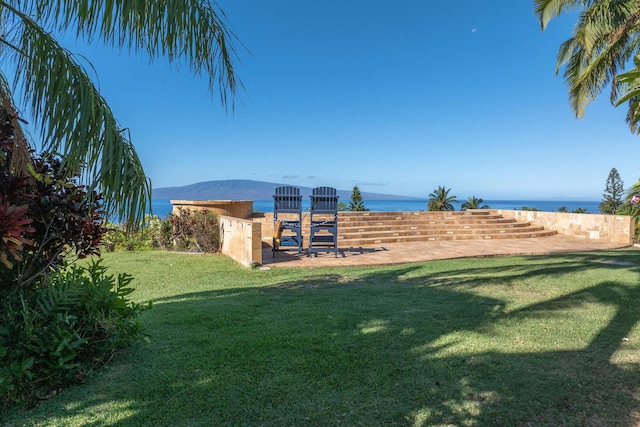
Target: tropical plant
73,118
197,230
54,335
474,203
605,38
440,200
45,217
563,209
613,193
356,204
632,207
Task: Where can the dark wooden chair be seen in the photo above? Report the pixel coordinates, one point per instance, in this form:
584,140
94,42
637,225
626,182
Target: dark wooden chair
323,219
287,219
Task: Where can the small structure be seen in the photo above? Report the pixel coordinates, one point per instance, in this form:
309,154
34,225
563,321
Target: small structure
287,219
323,221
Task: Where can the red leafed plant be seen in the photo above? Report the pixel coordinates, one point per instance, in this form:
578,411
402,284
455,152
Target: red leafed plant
13,228
45,215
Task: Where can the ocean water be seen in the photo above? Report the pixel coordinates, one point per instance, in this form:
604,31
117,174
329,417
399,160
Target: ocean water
162,207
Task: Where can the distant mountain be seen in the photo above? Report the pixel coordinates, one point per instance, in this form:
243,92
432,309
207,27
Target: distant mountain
242,189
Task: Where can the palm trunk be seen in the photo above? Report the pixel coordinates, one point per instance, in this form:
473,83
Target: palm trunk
12,137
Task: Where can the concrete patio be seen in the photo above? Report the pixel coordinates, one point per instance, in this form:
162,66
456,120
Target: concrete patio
398,253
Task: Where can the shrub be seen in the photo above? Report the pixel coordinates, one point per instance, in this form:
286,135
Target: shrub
196,230
55,334
155,233
45,217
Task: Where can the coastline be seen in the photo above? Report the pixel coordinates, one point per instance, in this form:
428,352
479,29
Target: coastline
162,207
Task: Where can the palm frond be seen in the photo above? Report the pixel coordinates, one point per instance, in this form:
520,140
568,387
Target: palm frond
76,120
549,9
194,32
73,118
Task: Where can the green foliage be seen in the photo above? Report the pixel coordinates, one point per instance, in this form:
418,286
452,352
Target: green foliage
473,203
440,200
613,194
564,209
45,217
342,206
154,233
605,39
196,230
356,204
525,208
56,334
632,207
69,112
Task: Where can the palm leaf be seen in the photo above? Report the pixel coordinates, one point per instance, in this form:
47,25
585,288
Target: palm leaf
73,118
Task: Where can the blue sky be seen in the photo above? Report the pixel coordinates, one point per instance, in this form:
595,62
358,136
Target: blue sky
397,97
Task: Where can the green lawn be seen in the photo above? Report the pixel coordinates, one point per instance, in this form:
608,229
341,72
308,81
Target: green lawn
512,341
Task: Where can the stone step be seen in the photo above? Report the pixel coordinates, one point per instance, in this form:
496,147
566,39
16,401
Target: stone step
371,228
344,243
368,233
435,231
416,216
471,212
392,222
430,225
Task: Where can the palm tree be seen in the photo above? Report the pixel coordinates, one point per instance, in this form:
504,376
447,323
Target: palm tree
474,203
440,200
604,39
73,119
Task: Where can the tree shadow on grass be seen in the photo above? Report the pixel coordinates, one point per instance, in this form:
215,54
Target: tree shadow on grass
393,347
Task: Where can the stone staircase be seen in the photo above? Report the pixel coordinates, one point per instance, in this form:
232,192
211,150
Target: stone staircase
371,228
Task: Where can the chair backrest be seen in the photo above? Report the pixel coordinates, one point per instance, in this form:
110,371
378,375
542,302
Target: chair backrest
324,199
287,199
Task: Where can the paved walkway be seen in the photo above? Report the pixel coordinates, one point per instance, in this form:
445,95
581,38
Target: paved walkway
398,253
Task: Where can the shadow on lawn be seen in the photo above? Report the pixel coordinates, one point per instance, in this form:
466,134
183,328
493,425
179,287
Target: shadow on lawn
383,349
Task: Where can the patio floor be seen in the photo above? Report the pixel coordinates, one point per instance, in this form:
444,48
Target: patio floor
398,253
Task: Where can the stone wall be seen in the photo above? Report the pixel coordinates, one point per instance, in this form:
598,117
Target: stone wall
241,240
234,208
609,228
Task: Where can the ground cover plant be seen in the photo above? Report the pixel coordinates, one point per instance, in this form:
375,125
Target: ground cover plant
529,341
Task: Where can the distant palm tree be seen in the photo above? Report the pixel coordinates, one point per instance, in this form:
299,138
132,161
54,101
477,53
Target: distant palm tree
440,200
580,210
474,203
563,209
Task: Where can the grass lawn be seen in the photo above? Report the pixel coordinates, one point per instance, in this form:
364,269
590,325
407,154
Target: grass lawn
511,341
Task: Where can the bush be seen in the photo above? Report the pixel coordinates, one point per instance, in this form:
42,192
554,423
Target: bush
196,230
155,233
45,216
192,231
53,335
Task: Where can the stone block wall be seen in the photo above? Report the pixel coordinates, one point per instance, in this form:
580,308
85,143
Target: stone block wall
233,208
609,228
241,240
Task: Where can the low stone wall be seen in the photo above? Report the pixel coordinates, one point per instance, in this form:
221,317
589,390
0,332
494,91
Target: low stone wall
234,208
241,240
608,228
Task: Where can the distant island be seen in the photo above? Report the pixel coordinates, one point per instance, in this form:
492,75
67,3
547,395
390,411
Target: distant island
243,189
